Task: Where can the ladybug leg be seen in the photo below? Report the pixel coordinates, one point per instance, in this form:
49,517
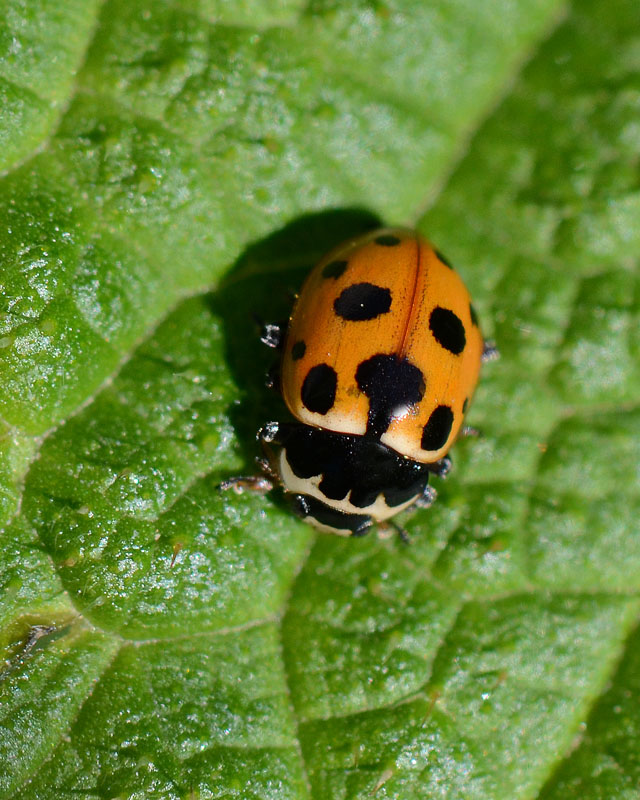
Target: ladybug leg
440,468
269,434
467,430
390,528
273,334
427,498
300,506
363,529
272,381
490,352
259,484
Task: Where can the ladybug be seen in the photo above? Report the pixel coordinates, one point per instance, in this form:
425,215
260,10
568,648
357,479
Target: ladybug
379,362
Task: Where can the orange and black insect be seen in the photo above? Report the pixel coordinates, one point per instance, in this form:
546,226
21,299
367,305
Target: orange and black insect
380,359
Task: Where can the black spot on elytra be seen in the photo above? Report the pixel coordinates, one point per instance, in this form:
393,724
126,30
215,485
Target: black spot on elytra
387,240
444,260
334,269
474,316
319,388
465,405
362,301
298,350
448,330
436,432
391,384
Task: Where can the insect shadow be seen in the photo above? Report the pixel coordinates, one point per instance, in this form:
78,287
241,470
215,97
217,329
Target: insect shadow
260,288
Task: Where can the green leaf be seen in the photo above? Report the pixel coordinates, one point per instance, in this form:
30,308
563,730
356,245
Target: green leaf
126,501
605,764
171,171
186,717
41,47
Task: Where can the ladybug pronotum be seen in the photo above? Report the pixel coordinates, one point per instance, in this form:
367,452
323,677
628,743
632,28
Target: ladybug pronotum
379,362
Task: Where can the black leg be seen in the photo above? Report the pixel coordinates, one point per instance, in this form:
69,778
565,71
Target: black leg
269,434
427,498
300,506
363,529
390,527
467,430
440,468
273,334
272,381
490,352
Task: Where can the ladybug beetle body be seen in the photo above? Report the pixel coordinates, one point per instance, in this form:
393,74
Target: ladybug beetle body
379,362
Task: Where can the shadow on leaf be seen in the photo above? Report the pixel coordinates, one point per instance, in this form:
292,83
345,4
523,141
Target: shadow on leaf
261,287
